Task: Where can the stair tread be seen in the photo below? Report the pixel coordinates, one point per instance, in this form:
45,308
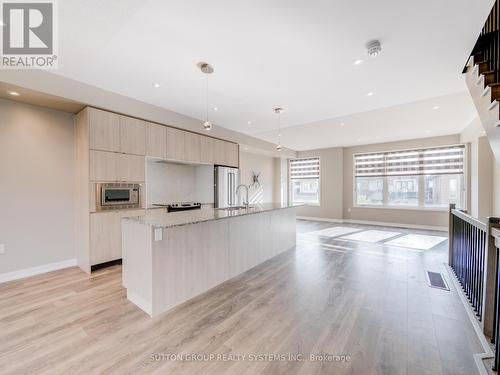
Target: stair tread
480,62
496,84
488,72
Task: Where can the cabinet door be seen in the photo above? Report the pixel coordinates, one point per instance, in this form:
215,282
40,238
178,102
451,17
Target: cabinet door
207,150
175,144
232,154
104,129
219,152
132,136
192,147
105,237
103,166
131,168
156,140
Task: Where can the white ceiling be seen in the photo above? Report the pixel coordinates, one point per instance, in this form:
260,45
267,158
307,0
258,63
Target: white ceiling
295,54
406,121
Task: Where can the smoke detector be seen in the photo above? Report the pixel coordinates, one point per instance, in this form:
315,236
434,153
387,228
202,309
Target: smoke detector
374,48
205,67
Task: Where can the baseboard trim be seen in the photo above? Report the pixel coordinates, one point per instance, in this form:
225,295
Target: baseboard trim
397,225
320,219
33,271
377,223
140,302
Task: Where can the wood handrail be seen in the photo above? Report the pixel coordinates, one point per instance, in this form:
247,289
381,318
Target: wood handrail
477,223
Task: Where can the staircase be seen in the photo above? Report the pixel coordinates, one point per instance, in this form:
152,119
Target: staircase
482,75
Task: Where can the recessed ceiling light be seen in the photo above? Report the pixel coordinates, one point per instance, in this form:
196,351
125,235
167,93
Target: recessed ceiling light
249,122
342,124
2,23
358,62
215,109
436,107
13,93
156,85
369,94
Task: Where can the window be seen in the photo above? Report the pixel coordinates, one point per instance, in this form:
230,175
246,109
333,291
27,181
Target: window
370,190
424,178
443,190
402,191
304,181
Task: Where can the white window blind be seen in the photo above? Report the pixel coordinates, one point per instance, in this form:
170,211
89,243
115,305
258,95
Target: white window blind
304,168
425,161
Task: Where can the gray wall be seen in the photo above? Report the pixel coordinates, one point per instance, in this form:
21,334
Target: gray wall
481,181
337,186
331,184
36,186
266,166
402,216
482,171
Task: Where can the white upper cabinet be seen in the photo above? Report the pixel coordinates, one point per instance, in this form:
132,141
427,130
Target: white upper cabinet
226,153
131,167
219,152
192,147
156,140
104,129
132,136
176,144
232,157
122,134
207,150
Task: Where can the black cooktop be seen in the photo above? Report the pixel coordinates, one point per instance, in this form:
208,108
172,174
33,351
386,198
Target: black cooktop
183,206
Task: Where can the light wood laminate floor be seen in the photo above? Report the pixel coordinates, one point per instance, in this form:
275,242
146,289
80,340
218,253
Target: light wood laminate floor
367,301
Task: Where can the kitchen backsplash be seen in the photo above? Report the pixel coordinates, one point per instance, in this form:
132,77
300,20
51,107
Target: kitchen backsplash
169,182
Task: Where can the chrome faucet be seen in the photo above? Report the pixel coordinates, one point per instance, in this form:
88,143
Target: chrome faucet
246,188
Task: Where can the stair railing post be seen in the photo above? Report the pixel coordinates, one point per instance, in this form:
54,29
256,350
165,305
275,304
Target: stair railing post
450,234
490,280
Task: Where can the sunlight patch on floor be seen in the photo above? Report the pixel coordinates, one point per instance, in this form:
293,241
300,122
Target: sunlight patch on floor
417,241
335,231
371,236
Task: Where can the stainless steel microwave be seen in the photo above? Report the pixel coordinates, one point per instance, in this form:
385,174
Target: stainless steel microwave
118,195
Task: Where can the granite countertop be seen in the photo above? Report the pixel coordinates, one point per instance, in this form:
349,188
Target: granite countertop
159,218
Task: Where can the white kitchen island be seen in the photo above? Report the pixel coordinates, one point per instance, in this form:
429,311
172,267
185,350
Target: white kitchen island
169,258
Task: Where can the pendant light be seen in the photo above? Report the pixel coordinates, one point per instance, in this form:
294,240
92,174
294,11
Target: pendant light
278,111
206,69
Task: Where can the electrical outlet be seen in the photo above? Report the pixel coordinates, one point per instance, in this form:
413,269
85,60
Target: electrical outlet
2,248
